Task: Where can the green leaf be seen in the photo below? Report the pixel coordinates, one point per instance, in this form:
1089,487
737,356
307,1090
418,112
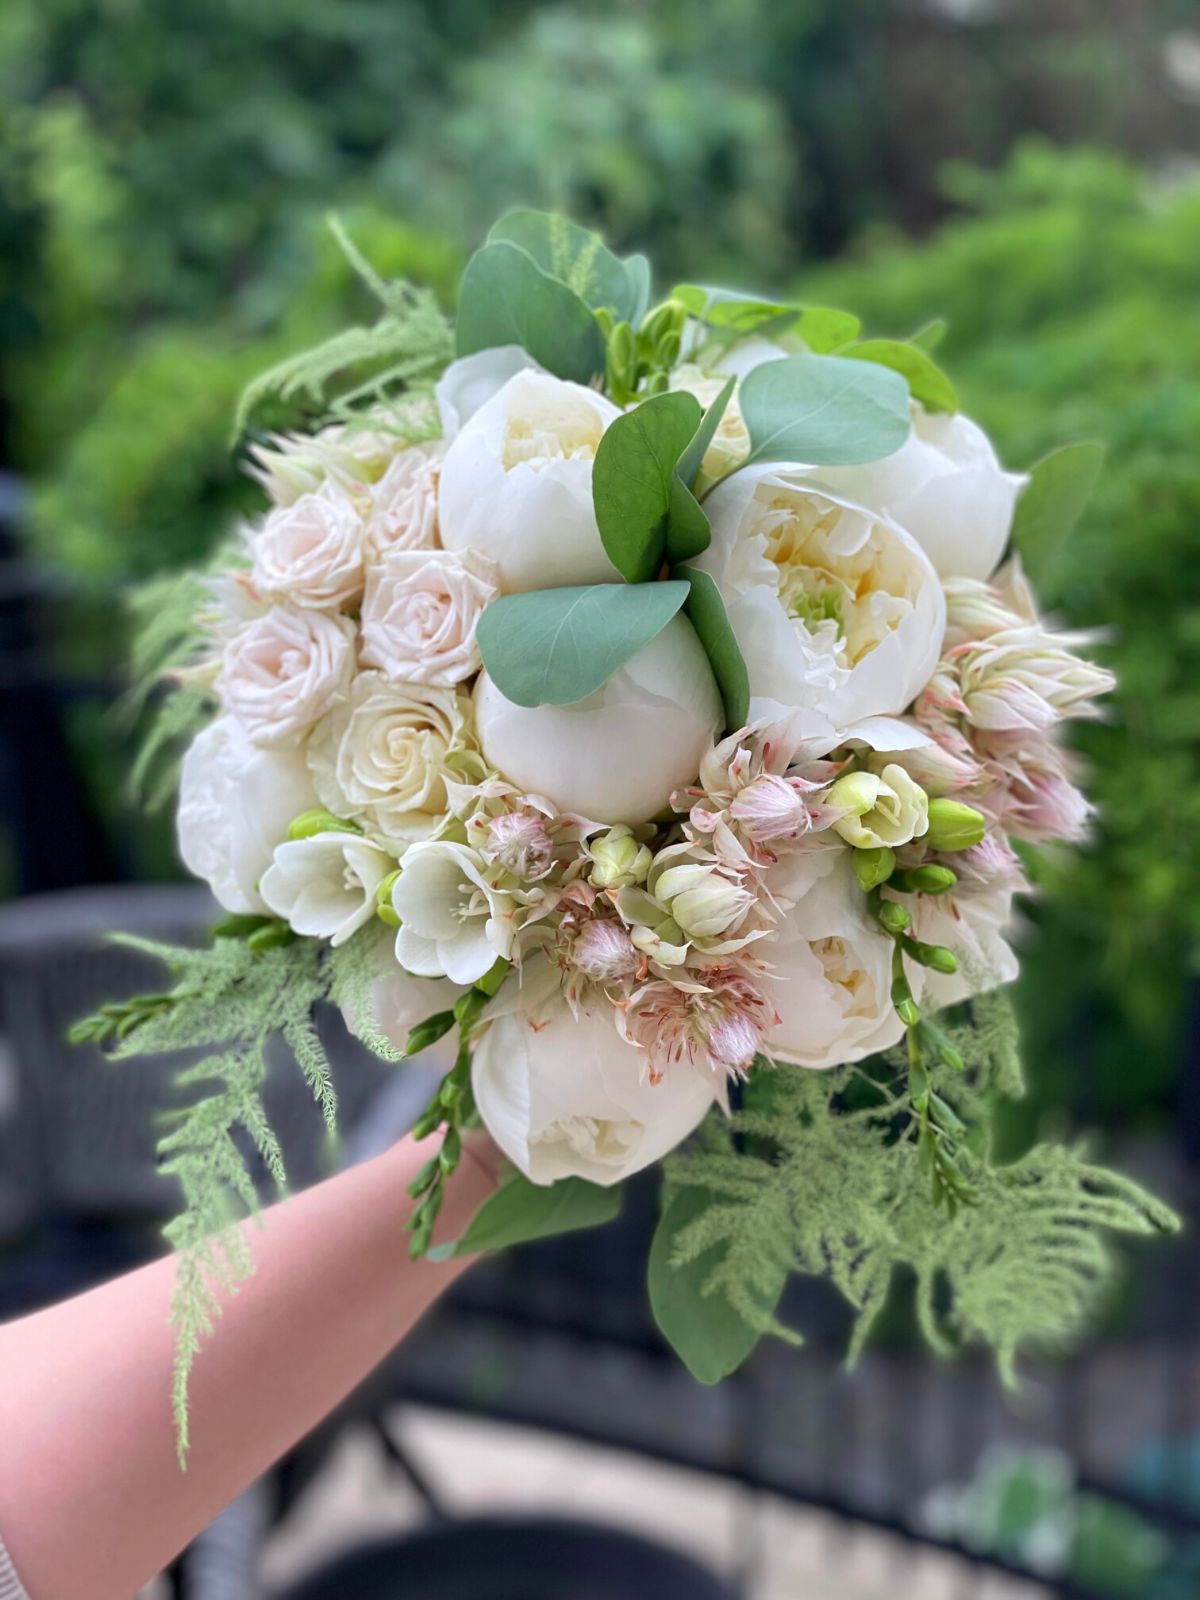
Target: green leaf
1059,488
930,334
823,329
579,258
689,462
520,1211
640,503
705,610
557,646
926,380
824,411
727,312
506,298
709,1336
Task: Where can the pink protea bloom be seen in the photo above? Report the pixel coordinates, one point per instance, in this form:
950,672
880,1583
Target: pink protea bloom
771,808
990,864
1037,800
716,1023
520,842
603,951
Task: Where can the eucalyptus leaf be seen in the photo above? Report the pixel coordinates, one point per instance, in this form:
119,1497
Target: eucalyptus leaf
705,610
689,462
926,380
930,334
825,329
505,298
520,1211
636,493
709,1336
557,646
824,411
579,258
1053,501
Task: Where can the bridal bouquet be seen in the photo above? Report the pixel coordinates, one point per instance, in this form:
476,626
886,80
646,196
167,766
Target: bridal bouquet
651,697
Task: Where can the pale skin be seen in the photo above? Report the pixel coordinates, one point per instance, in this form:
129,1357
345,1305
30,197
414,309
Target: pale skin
92,1499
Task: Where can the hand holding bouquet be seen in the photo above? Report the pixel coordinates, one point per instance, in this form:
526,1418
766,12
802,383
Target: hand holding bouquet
653,699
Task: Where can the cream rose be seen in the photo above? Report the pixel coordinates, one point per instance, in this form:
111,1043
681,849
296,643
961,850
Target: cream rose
283,671
829,964
945,487
618,755
516,484
383,756
838,613
236,801
402,509
566,1096
419,615
311,552
324,886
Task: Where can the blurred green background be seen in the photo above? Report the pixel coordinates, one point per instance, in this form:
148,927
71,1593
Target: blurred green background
1028,169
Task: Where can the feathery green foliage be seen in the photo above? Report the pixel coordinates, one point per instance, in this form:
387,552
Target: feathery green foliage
228,1000
822,1173
408,345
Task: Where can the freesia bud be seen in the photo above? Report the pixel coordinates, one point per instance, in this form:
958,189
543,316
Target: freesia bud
618,860
953,825
319,821
873,867
929,879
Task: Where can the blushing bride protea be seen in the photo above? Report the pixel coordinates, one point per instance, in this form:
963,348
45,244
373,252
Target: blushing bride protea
639,709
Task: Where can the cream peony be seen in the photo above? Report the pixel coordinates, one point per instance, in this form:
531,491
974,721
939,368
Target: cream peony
516,484
829,966
566,1096
945,487
838,613
383,756
283,671
618,755
311,552
235,804
470,382
731,443
454,922
419,614
324,886
402,510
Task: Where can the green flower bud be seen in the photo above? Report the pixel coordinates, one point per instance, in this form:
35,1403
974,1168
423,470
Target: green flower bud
622,348
893,916
873,867
384,909
494,977
618,860
929,879
666,351
934,956
657,383
953,825
319,820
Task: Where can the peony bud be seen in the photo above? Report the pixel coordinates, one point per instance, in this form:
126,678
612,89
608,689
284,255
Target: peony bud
618,860
953,825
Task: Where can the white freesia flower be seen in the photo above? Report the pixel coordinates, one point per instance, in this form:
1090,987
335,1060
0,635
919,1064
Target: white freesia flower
402,510
384,755
838,612
419,614
945,486
284,669
324,886
618,755
397,1003
311,552
236,801
516,484
565,1096
454,923
880,809
829,967
470,382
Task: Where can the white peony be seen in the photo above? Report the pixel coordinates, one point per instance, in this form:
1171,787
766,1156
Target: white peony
283,670
731,443
618,755
829,965
566,1096
470,382
516,484
311,552
384,755
838,613
945,486
324,886
454,923
397,1003
419,614
236,801
402,510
